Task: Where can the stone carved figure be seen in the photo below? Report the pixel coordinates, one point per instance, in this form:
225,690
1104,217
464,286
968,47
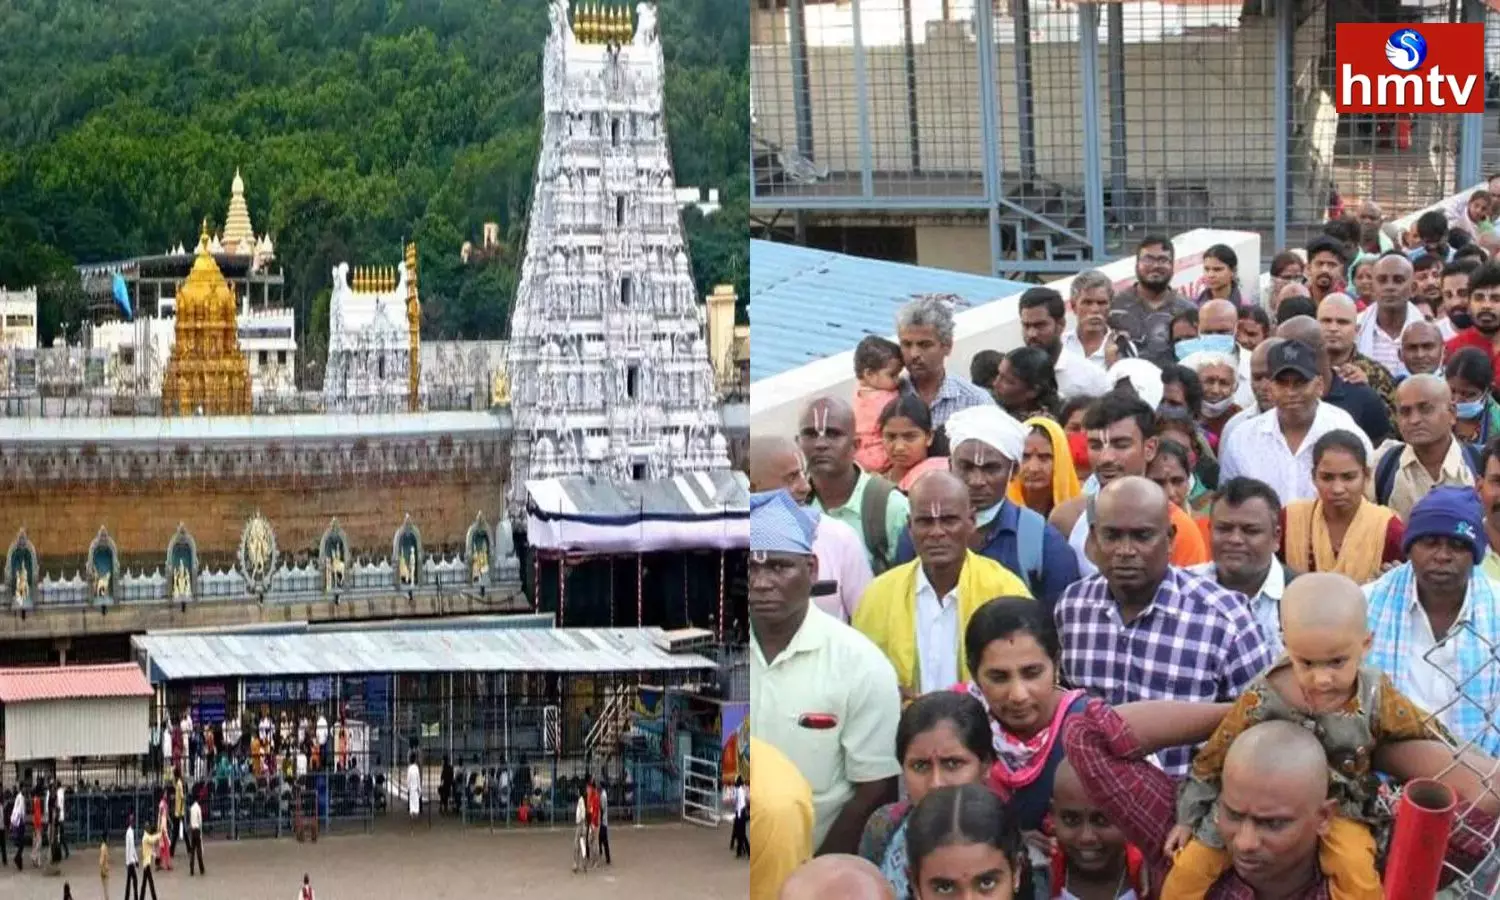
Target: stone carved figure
257,552
101,585
182,583
23,588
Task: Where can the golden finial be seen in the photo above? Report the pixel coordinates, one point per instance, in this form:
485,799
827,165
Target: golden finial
614,24
587,35
627,25
581,24
596,23
359,279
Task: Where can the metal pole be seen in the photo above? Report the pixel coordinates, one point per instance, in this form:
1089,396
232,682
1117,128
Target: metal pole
1116,62
1093,165
1020,11
1281,122
640,594
1471,126
801,90
862,98
989,112
914,140
720,622
562,589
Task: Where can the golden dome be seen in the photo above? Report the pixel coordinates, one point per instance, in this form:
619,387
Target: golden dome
206,371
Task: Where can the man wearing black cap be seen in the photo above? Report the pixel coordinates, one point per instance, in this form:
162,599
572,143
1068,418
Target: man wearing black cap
1360,401
1276,446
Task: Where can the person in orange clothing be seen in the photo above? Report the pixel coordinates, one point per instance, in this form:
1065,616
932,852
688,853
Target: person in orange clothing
1122,437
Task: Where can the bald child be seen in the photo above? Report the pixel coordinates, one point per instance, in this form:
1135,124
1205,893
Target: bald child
837,875
1321,684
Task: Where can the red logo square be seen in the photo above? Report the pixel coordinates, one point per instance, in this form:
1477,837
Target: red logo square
1409,68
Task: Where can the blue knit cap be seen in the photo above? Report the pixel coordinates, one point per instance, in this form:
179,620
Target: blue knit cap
779,525
1448,511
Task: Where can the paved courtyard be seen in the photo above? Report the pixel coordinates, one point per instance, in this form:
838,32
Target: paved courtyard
663,862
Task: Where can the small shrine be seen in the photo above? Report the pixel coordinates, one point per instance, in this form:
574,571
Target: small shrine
207,373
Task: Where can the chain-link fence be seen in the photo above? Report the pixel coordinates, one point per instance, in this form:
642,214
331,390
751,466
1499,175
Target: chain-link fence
1042,134
1469,660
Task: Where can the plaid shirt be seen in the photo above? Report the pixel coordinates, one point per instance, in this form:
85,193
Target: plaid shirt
1142,801
1196,641
953,395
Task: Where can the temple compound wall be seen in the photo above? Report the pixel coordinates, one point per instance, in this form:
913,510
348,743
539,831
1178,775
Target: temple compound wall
140,481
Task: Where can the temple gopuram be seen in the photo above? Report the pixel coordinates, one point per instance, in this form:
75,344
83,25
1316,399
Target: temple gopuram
207,373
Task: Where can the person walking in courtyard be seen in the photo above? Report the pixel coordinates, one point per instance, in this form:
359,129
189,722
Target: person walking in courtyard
18,823
413,791
132,860
739,840
195,839
591,791
604,825
162,859
307,892
104,868
581,833
153,844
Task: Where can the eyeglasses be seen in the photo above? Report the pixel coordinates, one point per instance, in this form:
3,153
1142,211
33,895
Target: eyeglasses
1155,259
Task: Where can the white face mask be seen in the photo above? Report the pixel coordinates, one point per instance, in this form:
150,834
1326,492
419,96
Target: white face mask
1215,408
985,516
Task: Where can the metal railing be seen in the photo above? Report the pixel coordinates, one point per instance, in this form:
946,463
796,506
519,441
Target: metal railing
1067,130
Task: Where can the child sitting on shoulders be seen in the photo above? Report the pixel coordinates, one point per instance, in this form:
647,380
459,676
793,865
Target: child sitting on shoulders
877,365
1354,709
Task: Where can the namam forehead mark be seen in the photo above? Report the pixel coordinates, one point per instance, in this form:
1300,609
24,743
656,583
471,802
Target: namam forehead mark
1124,428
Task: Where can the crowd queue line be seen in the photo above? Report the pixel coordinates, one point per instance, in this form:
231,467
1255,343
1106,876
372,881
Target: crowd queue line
1165,603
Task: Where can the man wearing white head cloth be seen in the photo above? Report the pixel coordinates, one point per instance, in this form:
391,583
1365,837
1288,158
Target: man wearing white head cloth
822,693
985,448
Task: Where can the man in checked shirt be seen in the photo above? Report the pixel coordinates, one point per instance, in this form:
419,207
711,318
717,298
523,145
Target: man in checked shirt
1143,629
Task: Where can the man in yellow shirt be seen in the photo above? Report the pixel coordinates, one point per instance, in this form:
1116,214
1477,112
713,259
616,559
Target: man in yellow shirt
916,613
781,820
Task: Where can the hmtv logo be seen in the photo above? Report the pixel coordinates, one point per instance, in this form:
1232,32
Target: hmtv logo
1418,68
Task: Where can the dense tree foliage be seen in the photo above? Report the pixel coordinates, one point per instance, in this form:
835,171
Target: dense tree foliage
356,124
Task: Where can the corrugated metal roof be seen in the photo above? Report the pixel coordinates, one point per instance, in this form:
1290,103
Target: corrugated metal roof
809,304
170,429
186,656
72,683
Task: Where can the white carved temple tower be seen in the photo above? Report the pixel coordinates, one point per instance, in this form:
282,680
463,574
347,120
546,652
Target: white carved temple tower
609,368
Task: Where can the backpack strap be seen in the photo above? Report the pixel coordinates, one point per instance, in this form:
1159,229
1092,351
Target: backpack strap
1474,458
1385,473
872,519
1031,528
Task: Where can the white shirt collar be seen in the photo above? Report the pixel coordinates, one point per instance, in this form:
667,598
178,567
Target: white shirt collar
925,587
1414,605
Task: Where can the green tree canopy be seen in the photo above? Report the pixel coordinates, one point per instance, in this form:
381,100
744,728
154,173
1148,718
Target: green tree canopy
356,125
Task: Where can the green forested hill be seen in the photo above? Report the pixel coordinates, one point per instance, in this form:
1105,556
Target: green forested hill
356,123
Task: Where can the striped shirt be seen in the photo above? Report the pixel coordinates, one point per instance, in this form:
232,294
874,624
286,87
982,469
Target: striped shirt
1196,641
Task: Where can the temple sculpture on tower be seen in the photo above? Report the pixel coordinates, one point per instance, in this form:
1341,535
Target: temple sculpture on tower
608,365
374,319
207,374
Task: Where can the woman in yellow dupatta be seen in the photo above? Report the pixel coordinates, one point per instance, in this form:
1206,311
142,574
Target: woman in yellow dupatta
1045,478
1341,531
